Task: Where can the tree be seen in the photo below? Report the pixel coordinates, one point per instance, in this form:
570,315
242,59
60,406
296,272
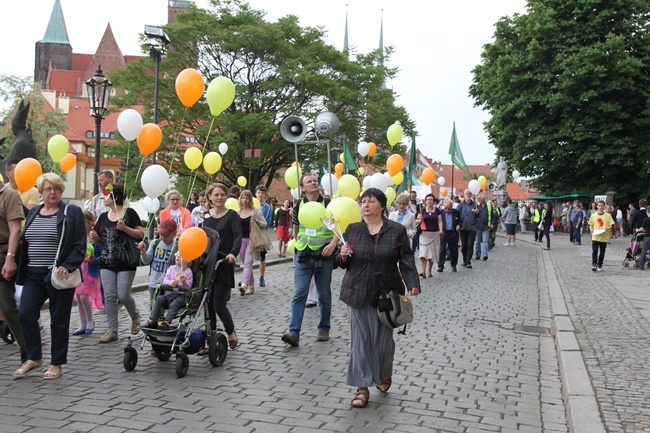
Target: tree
568,88
278,69
42,124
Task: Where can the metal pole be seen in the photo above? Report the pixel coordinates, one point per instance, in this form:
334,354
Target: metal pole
98,129
157,56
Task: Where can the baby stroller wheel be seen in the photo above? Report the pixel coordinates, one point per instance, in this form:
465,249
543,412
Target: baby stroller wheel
130,358
5,333
626,264
163,356
217,349
182,364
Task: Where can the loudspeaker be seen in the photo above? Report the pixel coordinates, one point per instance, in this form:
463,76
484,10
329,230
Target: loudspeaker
326,124
293,129
492,186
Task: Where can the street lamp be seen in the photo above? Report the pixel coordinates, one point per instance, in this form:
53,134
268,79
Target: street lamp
156,52
99,90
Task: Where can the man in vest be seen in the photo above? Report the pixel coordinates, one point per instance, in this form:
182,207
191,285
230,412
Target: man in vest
493,229
537,218
486,219
314,258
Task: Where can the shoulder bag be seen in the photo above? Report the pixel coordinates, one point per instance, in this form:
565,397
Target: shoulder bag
74,277
393,309
131,251
259,238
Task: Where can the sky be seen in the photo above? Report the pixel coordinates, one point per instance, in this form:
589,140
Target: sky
437,44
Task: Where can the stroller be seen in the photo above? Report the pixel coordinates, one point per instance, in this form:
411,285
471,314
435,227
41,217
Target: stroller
190,335
633,252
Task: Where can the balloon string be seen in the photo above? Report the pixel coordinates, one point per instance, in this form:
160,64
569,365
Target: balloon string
149,221
180,133
136,176
126,173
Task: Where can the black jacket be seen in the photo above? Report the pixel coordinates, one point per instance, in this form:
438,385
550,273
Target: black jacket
73,248
455,221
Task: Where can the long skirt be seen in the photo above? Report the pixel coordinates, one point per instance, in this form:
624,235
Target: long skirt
372,348
430,246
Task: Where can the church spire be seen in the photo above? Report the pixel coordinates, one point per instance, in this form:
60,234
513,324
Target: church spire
381,45
345,38
56,32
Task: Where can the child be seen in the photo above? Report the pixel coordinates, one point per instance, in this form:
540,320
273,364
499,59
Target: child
88,294
158,253
177,281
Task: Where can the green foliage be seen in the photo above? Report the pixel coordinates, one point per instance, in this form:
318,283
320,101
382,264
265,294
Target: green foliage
279,69
568,87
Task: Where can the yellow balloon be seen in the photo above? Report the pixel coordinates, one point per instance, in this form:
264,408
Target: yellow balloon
345,211
256,202
291,246
349,186
212,162
241,181
311,215
397,179
342,157
390,195
481,179
220,95
361,171
394,134
192,158
232,203
292,176
57,147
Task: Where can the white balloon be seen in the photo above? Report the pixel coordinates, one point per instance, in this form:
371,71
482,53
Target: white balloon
441,181
223,148
474,186
154,181
129,123
515,174
295,193
389,179
151,205
379,181
363,148
330,183
366,182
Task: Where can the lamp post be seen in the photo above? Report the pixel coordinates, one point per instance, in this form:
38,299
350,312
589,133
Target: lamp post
99,90
156,52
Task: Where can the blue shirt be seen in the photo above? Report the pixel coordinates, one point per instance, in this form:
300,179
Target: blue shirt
400,216
449,220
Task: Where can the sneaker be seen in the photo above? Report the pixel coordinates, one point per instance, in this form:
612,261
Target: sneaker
468,266
262,283
323,336
600,268
108,337
593,267
135,325
290,339
440,269
507,244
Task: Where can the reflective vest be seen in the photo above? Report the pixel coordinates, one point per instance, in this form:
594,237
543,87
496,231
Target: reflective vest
489,209
537,217
315,239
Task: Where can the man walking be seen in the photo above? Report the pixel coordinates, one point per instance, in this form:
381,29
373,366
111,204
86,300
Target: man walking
485,220
96,204
522,217
314,258
537,220
449,238
468,226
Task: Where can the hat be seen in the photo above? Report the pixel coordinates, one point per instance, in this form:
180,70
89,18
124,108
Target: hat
166,227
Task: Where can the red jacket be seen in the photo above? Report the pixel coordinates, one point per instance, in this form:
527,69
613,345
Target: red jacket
186,218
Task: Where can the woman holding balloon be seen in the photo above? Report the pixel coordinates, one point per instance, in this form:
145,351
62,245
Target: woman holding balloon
248,215
228,224
174,210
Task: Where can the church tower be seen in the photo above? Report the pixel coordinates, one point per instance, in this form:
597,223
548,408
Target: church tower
176,6
54,50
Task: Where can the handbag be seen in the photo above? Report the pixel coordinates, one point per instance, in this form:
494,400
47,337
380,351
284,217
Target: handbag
259,239
394,310
131,251
74,277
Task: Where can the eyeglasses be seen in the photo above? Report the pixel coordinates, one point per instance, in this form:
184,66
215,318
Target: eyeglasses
49,190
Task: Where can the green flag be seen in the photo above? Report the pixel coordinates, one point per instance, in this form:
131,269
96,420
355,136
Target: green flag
408,176
456,154
348,159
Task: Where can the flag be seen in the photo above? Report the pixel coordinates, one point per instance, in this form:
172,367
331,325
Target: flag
456,154
408,176
348,159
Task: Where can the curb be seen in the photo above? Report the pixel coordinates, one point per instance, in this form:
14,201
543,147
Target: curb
581,406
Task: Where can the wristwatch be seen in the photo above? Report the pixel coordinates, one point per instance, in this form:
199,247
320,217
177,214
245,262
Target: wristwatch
11,254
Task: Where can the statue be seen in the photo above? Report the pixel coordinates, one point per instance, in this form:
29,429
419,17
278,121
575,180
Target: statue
502,173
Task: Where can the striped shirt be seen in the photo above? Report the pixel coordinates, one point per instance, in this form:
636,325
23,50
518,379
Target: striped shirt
42,241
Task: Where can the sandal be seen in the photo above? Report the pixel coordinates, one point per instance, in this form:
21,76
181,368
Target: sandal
385,384
27,367
53,372
233,342
361,398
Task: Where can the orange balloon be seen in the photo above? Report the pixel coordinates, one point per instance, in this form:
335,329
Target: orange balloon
293,164
394,164
149,139
26,173
189,86
443,192
338,168
68,162
338,175
428,175
192,243
372,149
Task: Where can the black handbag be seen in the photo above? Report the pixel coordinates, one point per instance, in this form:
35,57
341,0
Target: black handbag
131,250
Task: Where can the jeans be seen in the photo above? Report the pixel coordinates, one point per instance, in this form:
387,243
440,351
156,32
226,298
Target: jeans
576,235
321,270
117,286
482,237
597,258
36,290
9,311
467,244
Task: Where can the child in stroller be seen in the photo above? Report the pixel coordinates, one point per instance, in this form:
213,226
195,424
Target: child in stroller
177,281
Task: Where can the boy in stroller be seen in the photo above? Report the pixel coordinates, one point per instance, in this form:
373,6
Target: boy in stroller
177,281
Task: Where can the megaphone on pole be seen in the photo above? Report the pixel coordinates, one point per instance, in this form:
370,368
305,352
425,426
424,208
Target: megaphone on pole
326,124
293,129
